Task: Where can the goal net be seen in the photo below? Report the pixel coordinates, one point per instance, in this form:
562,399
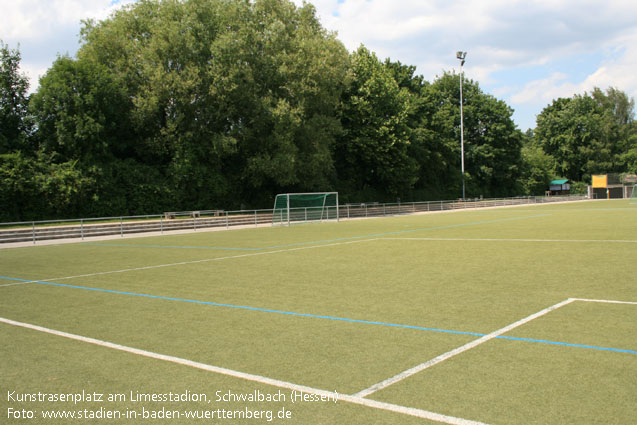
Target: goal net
633,196
292,208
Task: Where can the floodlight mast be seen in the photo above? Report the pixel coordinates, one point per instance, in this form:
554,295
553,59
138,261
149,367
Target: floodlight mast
461,56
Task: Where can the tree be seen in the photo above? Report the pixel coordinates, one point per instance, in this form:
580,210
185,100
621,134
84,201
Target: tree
492,141
234,100
14,100
629,157
35,189
623,110
86,138
537,169
199,104
618,103
372,153
583,134
82,113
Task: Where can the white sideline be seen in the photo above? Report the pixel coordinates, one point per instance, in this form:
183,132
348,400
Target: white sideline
205,260
441,358
214,259
606,301
254,378
14,284
309,247
516,240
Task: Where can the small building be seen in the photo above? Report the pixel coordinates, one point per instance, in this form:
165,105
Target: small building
611,186
559,187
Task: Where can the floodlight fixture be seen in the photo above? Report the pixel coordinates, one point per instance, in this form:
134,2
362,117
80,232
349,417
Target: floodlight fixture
461,57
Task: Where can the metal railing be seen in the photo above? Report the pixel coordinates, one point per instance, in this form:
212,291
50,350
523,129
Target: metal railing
377,209
83,228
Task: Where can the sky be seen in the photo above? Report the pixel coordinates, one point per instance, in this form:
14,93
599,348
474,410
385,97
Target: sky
526,53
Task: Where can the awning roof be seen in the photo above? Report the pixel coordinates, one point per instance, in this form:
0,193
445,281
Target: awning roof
561,181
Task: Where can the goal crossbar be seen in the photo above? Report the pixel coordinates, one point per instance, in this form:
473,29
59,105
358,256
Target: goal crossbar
305,207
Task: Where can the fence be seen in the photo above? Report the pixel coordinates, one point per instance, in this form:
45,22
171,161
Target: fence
376,209
34,231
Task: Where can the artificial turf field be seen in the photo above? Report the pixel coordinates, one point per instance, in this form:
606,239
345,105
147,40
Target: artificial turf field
523,315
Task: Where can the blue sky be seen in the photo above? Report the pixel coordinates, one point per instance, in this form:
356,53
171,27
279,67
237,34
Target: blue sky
526,53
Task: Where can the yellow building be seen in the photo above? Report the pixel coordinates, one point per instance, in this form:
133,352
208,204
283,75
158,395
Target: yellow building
611,186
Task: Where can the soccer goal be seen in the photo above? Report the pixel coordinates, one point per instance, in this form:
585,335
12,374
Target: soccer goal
633,196
292,208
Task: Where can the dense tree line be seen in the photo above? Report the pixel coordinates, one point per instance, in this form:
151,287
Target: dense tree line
589,134
200,104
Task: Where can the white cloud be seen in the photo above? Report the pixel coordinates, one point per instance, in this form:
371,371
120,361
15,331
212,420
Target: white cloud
616,71
620,71
25,20
515,48
546,89
42,29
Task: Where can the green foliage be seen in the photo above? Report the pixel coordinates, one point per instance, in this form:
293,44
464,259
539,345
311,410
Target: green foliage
234,99
35,188
14,122
588,134
616,102
81,112
629,157
199,104
18,194
373,151
537,171
436,142
579,188
492,141
131,186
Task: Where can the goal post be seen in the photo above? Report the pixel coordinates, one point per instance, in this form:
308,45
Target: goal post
633,196
305,207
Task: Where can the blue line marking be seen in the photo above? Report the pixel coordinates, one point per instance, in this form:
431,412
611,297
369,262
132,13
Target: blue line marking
316,316
397,232
543,341
266,310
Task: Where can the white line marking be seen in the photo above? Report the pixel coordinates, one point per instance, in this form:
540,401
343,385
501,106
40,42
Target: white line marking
242,255
254,378
16,283
441,358
606,301
205,260
515,240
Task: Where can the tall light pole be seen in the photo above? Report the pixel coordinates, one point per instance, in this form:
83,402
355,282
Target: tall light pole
461,56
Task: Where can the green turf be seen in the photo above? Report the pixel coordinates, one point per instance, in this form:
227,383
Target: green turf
464,271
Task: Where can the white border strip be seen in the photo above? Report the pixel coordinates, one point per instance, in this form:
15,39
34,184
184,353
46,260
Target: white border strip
606,301
517,240
441,358
254,378
16,283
